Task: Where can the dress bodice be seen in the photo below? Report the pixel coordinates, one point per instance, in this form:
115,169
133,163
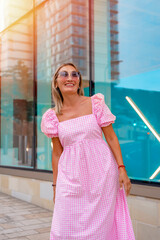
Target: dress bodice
80,128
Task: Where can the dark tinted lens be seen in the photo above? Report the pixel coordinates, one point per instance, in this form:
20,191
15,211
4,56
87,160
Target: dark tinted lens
75,74
63,74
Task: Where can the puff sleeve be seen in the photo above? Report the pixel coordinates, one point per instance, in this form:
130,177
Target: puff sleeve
101,111
49,124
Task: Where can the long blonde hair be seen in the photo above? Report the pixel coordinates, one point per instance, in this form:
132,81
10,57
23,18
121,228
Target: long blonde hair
56,93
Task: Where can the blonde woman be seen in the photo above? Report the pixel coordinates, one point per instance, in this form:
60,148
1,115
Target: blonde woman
90,182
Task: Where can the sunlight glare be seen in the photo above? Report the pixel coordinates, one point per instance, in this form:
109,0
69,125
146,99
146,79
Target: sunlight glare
1,15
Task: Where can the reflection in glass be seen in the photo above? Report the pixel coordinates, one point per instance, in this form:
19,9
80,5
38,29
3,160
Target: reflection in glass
125,63
126,66
143,118
138,132
62,36
16,73
10,11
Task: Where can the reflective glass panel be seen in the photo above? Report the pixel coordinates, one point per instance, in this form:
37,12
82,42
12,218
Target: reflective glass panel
16,82
136,95
62,36
10,11
127,72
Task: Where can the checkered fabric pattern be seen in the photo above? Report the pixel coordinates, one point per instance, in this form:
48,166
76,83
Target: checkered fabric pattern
89,204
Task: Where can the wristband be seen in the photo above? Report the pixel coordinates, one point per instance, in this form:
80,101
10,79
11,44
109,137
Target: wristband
53,185
121,166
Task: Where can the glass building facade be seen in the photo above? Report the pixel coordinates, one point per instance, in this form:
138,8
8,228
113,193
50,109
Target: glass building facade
115,45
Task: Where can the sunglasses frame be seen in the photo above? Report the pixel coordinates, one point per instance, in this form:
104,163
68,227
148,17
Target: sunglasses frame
71,74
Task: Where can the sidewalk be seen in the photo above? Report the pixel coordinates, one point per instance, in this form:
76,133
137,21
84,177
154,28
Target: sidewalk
21,220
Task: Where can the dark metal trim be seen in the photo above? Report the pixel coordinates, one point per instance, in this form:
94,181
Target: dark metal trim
27,173
91,48
145,191
34,88
23,168
146,183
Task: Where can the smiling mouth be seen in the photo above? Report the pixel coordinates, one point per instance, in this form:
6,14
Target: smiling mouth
69,85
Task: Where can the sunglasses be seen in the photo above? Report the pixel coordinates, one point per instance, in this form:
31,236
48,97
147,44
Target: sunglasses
65,74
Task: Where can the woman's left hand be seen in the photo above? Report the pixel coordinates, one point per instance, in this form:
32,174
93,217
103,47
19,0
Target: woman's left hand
124,179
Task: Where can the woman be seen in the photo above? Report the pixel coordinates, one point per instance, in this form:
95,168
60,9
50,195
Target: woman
89,178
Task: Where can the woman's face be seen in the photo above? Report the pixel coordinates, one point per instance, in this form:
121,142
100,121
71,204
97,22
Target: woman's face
68,80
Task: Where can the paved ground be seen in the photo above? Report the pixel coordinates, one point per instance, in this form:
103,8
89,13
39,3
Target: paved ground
20,220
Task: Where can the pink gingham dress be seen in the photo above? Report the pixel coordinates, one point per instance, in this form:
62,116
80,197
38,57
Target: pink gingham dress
89,204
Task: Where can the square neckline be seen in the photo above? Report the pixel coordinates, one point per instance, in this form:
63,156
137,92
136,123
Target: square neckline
79,116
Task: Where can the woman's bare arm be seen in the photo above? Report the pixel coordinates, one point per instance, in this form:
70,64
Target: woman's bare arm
56,153
113,143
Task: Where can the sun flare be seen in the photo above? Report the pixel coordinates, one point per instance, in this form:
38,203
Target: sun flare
1,15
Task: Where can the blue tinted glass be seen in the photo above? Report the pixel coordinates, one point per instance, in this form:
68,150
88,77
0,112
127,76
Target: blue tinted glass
136,94
67,41
17,100
127,72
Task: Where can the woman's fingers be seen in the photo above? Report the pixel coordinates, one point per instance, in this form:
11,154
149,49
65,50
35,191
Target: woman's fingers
127,186
127,183
121,184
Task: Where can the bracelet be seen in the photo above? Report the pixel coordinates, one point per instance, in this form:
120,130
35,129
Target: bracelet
121,166
53,185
